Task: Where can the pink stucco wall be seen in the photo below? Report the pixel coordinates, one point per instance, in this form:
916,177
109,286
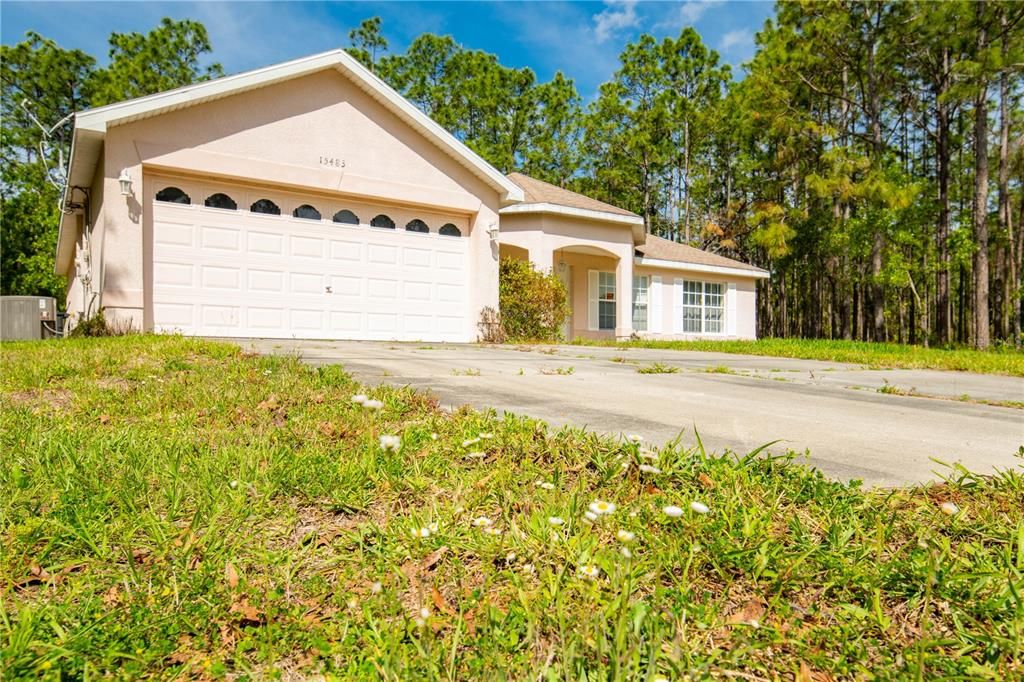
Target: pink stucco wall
275,136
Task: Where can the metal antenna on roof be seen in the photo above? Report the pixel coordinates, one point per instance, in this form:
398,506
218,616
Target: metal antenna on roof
44,147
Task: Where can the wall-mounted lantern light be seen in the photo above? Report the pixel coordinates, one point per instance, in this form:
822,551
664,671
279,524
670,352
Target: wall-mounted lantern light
492,232
125,179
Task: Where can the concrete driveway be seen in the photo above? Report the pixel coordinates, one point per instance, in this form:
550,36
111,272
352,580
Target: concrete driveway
833,410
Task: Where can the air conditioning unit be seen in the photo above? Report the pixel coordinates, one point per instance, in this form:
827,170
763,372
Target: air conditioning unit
27,317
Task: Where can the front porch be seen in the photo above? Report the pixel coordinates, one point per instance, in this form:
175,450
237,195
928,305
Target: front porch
598,280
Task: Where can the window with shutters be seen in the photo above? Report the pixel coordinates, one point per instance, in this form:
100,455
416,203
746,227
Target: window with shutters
703,307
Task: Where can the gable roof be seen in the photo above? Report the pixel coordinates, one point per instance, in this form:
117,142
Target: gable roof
539,192
543,197
91,125
665,251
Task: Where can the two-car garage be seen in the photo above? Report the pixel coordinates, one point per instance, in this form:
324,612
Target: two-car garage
230,260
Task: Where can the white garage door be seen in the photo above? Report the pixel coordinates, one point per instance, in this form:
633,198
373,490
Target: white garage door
220,272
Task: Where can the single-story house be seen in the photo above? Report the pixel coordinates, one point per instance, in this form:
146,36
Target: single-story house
310,200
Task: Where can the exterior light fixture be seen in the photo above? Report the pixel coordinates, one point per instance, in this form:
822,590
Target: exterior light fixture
492,232
125,179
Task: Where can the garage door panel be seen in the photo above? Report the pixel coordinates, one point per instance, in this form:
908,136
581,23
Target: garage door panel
265,243
268,281
221,277
171,233
306,319
381,288
306,283
174,275
222,238
234,273
307,247
344,285
346,251
416,258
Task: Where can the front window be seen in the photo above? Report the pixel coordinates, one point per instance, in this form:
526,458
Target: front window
640,288
606,300
703,307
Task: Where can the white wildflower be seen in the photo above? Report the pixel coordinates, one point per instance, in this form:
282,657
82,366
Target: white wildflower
421,532
460,509
601,507
482,521
625,536
529,569
556,520
590,516
433,527
625,552
634,438
648,469
491,530
476,455
392,443
486,436
359,398
433,436
589,571
470,441
510,557
544,485
699,507
648,454
233,484
949,508
373,404
673,511
376,588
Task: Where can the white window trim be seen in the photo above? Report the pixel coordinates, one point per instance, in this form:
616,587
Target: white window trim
728,313
594,302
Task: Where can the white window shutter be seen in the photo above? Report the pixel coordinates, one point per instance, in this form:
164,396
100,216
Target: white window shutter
730,309
677,306
592,293
655,313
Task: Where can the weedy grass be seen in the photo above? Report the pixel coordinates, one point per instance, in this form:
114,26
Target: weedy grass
657,368
178,508
876,355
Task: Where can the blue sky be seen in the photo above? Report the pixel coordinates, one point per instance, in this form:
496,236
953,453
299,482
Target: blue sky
582,39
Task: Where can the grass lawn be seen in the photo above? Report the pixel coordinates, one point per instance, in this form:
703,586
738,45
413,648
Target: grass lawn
173,507
874,355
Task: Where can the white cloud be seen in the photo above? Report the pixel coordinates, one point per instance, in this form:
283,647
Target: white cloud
616,16
740,38
692,10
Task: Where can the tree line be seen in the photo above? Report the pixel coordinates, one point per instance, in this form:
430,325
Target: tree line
870,157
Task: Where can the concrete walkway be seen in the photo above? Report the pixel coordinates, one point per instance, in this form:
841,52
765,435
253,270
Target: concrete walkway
833,410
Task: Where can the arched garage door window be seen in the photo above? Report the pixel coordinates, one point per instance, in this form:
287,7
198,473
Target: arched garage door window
173,195
265,206
220,200
449,230
307,212
417,225
383,221
346,217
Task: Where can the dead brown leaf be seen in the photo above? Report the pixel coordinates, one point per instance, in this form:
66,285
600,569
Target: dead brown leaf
808,674
327,428
748,614
269,404
249,614
104,419
705,481
231,575
439,602
433,558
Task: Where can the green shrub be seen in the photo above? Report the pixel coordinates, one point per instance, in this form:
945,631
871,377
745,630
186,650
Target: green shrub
97,325
533,304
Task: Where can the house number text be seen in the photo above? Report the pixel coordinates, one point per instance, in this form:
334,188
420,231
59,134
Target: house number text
332,161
